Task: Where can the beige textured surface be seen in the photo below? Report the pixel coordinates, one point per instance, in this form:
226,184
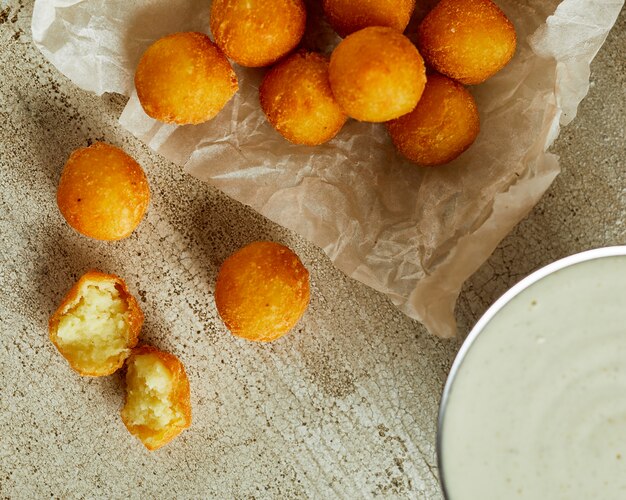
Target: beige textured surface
346,406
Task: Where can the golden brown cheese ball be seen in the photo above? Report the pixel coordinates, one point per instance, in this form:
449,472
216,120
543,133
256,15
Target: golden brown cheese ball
376,74
443,124
467,40
184,78
103,193
158,406
295,96
348,16
262,291
97,324
257,33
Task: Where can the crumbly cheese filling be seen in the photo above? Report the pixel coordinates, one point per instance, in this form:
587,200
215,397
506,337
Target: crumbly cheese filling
95,330
149,390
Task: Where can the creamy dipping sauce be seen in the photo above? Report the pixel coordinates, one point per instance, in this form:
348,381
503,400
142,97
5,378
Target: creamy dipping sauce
537,407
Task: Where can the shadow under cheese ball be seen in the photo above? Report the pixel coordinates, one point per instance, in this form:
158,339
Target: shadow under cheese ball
443,125
257,33
262,291
295,96
467,40
376,74
97,324
103,192
348,16
184,78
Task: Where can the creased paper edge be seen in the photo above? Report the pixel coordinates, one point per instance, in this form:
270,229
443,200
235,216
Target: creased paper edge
44,10
579,65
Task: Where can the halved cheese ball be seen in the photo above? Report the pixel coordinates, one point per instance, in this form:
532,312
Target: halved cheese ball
103,192
97,324
184,78
348,16
376,74
257,32
157,407
295,96
262,291
442,126
466,40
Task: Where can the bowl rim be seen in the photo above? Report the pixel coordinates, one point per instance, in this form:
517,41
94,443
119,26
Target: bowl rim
494,309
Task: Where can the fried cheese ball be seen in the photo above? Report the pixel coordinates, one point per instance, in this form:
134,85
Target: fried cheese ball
184,78
443,124
467,40
376,74
348,16
157,407
295,96
97,324
257,33
103,193
262,291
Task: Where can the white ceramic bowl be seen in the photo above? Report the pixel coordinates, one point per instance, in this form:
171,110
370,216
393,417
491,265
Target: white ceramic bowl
535,403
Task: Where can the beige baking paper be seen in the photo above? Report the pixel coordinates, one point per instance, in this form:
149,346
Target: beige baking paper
415,234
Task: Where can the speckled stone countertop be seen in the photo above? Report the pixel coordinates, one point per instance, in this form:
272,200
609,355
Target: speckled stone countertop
344,407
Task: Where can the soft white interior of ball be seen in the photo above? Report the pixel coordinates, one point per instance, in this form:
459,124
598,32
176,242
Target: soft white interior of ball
149,391
95,329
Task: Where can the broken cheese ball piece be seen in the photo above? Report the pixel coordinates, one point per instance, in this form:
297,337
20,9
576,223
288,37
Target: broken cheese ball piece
97,324
157,407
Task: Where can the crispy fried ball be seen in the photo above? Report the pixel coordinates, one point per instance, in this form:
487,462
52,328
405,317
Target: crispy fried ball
348,16
157,407
262,291
103,193
443,124
467,40
257,32
376,74
97,324
295,96
184,78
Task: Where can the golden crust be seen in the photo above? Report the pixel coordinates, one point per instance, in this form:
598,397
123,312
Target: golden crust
467,40
348,16
295,96
444,123
376,74
103,192
134,319
257,33
184,78
180,397
262,291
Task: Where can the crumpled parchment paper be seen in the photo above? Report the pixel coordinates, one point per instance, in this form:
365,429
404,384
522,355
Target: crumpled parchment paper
415,234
